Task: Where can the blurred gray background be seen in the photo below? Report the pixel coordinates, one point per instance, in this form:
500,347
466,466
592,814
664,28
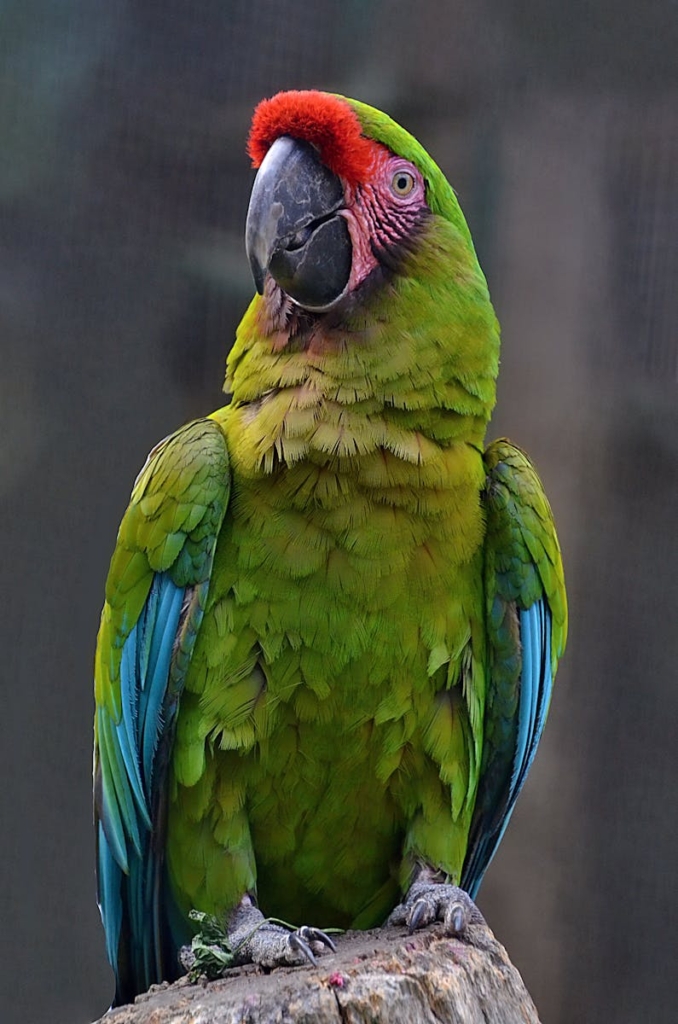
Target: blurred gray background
123,192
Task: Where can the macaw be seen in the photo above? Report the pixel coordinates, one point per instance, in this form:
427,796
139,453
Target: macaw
333,617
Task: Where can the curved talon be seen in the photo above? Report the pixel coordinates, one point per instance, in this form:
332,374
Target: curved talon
316,935
419,916
300,946
427,902
456,917
256,939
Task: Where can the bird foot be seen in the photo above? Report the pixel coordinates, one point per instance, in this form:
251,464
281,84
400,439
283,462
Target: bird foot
255,939
428,901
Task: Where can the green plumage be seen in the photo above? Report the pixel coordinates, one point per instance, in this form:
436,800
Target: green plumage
358,653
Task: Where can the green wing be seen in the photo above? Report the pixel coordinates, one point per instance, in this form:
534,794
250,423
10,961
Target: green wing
155,597
527,627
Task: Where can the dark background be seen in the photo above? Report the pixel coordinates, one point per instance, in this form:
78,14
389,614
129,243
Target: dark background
123,191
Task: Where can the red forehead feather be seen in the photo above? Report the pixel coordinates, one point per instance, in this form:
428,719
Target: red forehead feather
326,121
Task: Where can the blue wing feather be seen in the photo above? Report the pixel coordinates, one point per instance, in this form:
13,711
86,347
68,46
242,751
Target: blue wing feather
110,879
154,686
545,702
126,729
129,870
536,682
109,810
119,791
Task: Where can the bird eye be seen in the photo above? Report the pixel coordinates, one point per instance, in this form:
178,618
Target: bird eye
402,183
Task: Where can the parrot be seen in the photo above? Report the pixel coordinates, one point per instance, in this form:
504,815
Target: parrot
333,615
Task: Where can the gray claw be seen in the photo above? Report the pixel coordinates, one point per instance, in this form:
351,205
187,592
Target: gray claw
299,945
456,917
429,901
419,916
256,939
316,935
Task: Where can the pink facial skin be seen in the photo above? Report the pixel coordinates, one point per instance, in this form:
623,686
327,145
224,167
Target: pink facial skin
380,213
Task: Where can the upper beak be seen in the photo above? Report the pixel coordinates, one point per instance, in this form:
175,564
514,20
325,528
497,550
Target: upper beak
294,230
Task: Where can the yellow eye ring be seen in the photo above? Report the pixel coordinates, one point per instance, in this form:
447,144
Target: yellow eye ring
402,183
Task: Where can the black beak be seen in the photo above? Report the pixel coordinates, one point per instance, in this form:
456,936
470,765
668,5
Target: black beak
294,231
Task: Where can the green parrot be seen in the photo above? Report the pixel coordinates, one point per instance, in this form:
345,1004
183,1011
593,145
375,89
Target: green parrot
333,617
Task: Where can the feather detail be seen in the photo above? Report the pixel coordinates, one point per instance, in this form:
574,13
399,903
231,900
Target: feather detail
527,623
149,627
326,121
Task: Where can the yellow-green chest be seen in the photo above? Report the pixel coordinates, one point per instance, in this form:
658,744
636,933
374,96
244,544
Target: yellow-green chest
344,593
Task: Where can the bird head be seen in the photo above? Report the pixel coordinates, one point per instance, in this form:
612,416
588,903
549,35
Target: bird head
340,197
